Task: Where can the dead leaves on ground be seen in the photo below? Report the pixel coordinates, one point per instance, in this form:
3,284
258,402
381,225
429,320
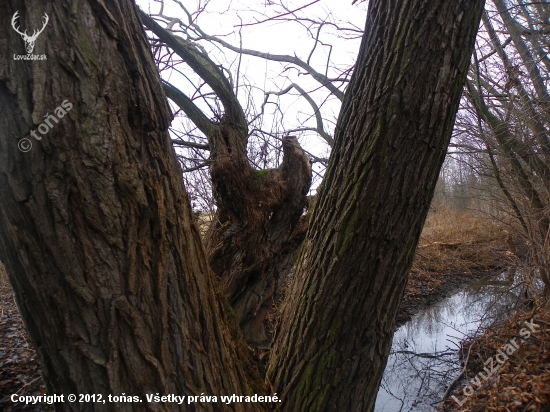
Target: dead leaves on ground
19,365
523,381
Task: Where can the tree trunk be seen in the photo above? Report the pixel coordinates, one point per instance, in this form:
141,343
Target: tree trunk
254,238
95,226
259,225
338,319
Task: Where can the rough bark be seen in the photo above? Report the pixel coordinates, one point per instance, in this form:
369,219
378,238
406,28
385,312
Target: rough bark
259,225
338,319
95,226
257,230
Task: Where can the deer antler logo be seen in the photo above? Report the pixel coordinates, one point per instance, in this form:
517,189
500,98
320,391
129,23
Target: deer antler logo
29,40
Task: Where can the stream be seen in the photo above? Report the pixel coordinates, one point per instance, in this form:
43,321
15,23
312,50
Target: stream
424,354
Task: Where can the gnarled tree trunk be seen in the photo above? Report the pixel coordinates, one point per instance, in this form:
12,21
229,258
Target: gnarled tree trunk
257,230
254,238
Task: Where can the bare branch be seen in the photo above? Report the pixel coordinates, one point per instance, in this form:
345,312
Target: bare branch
203,66
279,16
190,109
321,78
320,128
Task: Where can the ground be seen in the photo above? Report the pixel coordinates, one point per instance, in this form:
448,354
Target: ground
455,249
19,366
522,382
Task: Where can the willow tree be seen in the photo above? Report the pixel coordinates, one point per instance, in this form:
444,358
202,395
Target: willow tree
95,227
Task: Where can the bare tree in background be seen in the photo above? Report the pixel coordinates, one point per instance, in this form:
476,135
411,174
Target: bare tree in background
508,117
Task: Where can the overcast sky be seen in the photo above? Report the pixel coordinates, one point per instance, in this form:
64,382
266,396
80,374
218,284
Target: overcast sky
282,36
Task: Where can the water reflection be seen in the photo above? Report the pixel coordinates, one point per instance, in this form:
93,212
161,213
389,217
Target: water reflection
424,354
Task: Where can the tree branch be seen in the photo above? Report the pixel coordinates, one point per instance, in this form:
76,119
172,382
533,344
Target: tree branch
320,128
203,66
190,109
279,16
321,78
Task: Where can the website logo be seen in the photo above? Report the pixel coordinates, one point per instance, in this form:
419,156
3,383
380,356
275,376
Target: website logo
29,40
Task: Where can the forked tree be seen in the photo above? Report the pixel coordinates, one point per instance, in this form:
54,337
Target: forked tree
95,227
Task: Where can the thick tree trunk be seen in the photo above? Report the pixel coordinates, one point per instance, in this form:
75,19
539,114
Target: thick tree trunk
338,319
254,238
95,227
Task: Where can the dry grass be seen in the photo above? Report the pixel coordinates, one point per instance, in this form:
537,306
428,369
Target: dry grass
203,221
449,225
455,248
459,242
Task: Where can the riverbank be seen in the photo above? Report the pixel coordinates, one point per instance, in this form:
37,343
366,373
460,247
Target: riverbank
455,249
507,368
